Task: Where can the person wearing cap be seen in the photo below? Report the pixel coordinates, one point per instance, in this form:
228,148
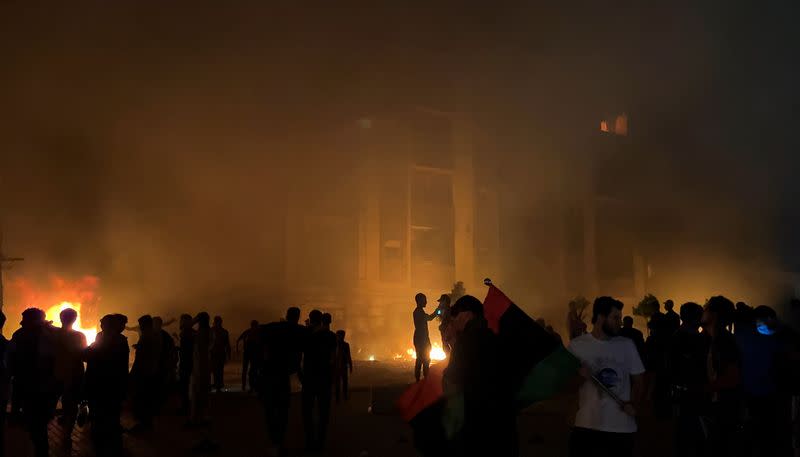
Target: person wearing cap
476,374
443,312
422,339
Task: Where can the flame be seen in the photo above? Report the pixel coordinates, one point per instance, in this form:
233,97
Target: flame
437,353
53,313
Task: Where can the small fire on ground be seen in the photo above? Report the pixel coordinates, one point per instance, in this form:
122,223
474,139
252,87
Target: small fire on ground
437,353
53,313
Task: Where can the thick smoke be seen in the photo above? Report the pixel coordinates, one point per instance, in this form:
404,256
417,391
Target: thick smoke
162,149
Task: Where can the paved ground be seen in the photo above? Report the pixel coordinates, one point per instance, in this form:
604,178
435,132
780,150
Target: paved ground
238,426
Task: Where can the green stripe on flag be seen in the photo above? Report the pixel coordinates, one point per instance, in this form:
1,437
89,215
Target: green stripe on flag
548,377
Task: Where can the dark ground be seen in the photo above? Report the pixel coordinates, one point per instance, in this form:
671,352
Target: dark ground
239,429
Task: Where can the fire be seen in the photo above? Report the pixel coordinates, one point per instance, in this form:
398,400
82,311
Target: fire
53,313
437,353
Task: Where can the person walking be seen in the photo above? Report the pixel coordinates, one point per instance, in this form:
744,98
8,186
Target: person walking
201,370
318,357
106,384
281,345
69,371
220,353
250,339
344,366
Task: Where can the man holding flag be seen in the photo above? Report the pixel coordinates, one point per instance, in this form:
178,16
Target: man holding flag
502,362
605,424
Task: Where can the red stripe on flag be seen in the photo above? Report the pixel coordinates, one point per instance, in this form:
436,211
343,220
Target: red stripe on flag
422,394
495,304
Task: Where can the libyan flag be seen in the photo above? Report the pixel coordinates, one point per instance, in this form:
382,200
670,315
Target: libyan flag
535,362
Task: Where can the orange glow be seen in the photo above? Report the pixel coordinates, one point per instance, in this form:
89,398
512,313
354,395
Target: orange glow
437,353
53,313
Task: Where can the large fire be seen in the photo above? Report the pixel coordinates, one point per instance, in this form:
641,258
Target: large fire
56,294
53,313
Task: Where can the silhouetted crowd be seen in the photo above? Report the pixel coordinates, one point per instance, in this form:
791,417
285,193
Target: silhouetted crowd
726,376
43,365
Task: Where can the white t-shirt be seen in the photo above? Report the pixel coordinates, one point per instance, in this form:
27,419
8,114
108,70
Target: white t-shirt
612,362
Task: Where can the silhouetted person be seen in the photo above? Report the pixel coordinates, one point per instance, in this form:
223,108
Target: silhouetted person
344,366
422,339
31,359
443,313
5,384
201,369
69,370
575,324
671,319
185,359
249,353
167,359
603,427
743,318
281,346
145,374
724,376
220,352
476,372
318,357
635,335
655,361
106,384
761,348
686,362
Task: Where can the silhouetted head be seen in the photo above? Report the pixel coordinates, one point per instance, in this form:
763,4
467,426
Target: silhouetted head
68,317
315,318
718,313
202,319
541,322
327,320
464,310
107,323
254,324
627,322
32,317
691,315
120,321
421,300
669,305
766,320
158,323
217,321
146,323
340,334
2,320
607,315
293,315
186,321
444,301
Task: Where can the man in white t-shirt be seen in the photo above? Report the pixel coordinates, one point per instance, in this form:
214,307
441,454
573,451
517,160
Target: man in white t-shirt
604,425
